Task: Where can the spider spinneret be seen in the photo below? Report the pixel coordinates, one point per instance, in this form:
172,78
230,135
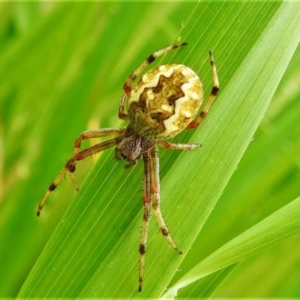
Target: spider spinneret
165,101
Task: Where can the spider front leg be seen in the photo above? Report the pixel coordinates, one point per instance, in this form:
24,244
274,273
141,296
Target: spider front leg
79,155
151,197
213,94
127,85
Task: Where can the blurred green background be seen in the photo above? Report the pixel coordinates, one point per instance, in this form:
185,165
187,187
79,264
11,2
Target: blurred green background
62,66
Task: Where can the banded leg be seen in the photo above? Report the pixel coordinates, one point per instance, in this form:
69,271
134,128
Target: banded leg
71,164
137,72
152,198
146,216
212,97
177,146
96,133
155,198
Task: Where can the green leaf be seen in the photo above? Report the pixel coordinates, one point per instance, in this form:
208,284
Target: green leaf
259,237
77,57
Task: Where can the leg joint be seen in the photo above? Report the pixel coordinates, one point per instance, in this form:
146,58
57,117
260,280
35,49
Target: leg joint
215,90
70,166
164,231
52,187
150,59
142,249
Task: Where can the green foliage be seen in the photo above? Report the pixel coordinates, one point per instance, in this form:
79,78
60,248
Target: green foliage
62,67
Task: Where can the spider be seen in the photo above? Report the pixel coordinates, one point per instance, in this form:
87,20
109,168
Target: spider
163,102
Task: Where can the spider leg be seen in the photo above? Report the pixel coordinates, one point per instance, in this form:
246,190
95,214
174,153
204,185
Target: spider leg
155,197
137,72
146,216
96,133
151,197
91,134
178,146
212,97
71,164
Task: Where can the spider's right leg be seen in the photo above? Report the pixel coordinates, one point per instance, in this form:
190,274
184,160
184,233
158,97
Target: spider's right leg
127,85
79,155
213,94
146,216
178,146
155,196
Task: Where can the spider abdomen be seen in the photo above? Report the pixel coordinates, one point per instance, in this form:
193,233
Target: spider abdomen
165,101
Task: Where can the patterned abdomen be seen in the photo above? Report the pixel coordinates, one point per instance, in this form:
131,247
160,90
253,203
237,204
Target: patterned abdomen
164,101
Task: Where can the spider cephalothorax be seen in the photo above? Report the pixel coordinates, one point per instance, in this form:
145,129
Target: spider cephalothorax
164,101
132,146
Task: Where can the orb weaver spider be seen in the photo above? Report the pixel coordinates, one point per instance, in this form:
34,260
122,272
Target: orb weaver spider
164,102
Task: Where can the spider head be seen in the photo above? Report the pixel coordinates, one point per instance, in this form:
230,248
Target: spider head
132,146
128,150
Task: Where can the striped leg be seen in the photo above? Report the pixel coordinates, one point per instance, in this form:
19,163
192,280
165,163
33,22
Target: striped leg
212,97
96,133
151,197
146,216
79,155
178,146
137,72
155,196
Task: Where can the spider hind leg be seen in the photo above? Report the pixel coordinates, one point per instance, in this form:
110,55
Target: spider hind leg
78,155
151,198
